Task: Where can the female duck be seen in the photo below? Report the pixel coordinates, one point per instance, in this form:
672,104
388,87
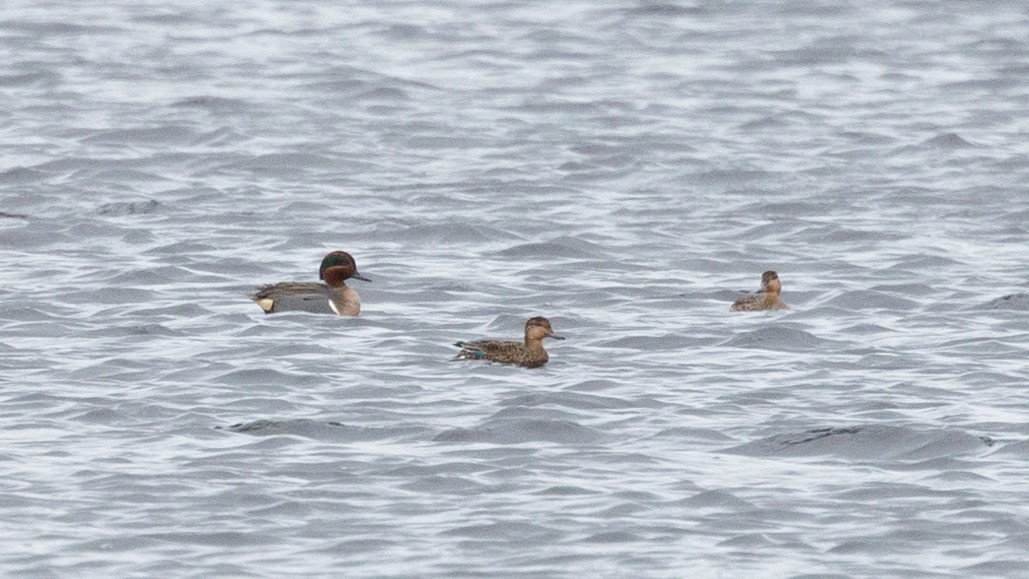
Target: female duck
767,298
331,297
530,354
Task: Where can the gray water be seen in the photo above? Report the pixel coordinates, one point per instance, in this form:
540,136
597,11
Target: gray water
626,169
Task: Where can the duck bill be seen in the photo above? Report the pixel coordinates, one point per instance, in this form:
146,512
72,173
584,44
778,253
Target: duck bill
556,337
356,275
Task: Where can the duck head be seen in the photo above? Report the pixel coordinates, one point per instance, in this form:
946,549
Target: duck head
770,282
338,267
538,328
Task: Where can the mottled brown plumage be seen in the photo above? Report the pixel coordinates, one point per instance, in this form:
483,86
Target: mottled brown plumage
767,298
529,354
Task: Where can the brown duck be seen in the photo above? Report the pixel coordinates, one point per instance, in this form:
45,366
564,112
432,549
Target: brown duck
767,298
529,354
331,297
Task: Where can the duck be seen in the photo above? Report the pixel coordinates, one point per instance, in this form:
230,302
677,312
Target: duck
331,297
529,354
767,298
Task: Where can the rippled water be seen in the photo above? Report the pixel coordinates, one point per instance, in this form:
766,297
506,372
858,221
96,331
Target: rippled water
624,168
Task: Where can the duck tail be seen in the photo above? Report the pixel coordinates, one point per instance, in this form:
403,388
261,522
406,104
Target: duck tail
468,352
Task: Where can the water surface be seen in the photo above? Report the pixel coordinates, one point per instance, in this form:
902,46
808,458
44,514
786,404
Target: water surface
626,169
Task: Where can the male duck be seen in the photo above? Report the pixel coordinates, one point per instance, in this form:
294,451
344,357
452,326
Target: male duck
331,297
530,354
767,298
